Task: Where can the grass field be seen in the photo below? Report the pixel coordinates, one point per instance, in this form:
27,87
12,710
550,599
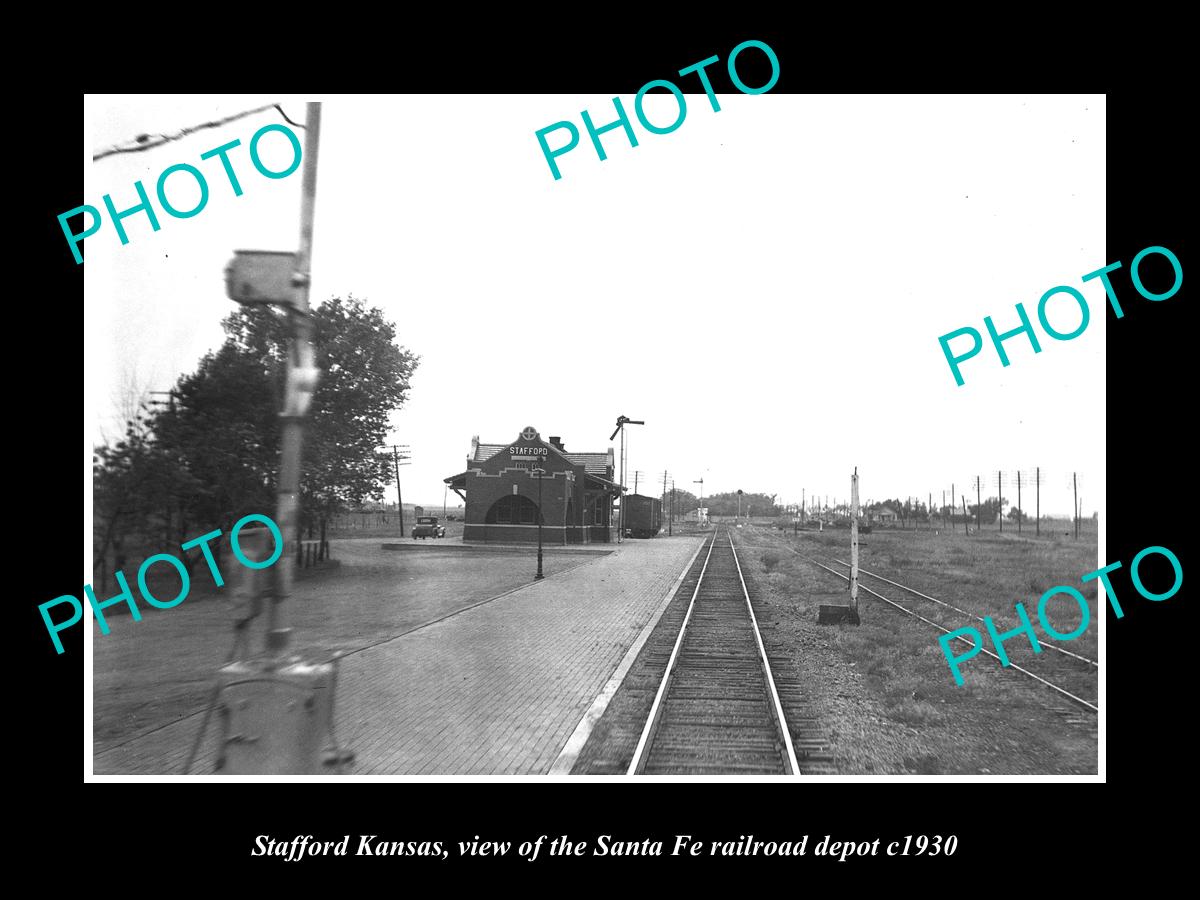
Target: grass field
889,694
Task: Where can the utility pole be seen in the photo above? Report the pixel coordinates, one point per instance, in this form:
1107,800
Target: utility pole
622,421
278,712
854,546
665,508
1000,500
169,403
952,505
1022,511
1075,486
1038,487
943,517
700,481
966,518
978,507
301,373
399,500
803,507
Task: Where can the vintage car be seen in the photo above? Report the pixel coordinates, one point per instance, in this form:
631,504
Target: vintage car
428,527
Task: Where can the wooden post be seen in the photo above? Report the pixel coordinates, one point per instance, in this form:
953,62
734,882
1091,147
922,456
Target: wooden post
1038,487
952,505
1022,515
854,545
978,508
1075,485
1000,500
399,499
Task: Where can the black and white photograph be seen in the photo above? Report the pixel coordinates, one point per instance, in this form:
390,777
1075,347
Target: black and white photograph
703,431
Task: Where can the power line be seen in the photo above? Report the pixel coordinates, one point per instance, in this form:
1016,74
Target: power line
148,142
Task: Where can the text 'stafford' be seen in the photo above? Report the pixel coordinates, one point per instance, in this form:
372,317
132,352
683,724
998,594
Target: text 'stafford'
126,595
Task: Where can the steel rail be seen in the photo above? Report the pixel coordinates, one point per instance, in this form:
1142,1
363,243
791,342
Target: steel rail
777,706
638,763
1093,707
1050,645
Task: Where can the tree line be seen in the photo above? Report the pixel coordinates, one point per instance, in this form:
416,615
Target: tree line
726,504
210,454
986,511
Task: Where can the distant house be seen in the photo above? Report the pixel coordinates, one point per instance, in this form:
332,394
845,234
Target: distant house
884,515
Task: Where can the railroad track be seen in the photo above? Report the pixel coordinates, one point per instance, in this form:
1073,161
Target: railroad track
1074,696
1044,641
717,710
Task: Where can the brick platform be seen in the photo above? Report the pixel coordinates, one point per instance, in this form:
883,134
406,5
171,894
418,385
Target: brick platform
496,689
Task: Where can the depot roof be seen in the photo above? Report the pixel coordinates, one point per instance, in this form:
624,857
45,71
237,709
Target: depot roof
593,463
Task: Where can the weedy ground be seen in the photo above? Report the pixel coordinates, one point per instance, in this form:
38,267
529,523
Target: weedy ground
883,689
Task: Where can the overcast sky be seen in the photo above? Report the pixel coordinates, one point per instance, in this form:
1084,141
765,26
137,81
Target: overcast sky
798,255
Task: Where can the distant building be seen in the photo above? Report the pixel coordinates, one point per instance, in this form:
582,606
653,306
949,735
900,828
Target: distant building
884,515
501,492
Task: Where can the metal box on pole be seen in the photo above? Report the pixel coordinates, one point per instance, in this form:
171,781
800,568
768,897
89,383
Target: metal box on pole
261,277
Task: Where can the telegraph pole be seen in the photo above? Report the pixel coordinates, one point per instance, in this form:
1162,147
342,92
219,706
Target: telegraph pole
1022,515
1000,500
1038,486
1075,486
854,546
301,374
952,505
278,712
978,507
622,421
666,509
399,500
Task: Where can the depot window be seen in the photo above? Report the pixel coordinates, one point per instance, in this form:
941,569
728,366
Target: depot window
513,510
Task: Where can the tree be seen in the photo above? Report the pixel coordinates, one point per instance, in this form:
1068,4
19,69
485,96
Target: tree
364,378
727,504
212,456
991,508
685,502
1017,515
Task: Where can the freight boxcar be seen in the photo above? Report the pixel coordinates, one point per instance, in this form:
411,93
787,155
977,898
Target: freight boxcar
643,516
